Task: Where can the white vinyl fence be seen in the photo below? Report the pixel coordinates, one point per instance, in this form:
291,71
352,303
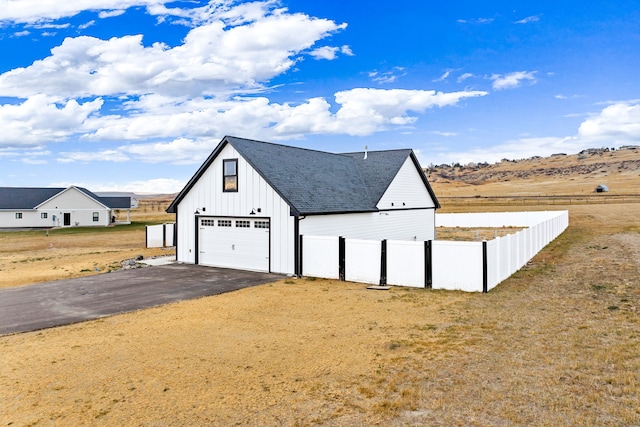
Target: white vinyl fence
160,236
439,264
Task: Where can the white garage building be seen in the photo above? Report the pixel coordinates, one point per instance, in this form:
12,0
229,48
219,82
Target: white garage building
250,201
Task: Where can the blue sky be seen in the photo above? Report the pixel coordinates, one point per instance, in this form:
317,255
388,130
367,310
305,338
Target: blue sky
132,95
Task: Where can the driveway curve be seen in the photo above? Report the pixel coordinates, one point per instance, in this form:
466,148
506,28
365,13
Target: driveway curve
62,302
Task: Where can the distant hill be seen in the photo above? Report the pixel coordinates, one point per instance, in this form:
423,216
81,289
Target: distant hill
557,174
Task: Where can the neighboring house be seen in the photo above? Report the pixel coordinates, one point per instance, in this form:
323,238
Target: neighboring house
250,201
57,207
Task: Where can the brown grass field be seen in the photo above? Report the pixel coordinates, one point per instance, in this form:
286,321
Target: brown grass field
558,343
36,256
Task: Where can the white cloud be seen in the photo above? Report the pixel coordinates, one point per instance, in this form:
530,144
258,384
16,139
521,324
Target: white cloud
464,77
475,21
32,11
21,33
528,19
330,52
444,76
387,76
325,52
32,161
617,124
212,59
86,25
41,119
111,13
93,156
179,151
346,50
361,111
443,133
614,126
151,186
512,80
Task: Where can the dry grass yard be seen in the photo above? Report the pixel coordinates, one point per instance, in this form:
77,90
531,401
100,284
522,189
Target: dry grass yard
36,256
556,344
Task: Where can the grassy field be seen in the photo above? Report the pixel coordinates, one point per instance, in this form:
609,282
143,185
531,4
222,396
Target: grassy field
558,343
35,256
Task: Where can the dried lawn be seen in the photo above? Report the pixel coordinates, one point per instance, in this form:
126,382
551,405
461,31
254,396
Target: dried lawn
556,344
42,255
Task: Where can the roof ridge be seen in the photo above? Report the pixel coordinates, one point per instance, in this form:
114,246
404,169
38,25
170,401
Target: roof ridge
376,151
284,146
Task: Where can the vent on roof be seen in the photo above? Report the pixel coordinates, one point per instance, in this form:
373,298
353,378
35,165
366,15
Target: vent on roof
365,152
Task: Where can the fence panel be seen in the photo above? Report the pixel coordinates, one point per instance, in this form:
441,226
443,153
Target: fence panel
169,234
362,261
405,263
320,256
155,236
457,266
493,263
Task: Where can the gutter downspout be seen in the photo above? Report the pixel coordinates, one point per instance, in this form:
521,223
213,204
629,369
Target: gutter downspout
297,245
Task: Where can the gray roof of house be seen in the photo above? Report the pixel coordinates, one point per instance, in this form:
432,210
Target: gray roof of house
314,182
26,198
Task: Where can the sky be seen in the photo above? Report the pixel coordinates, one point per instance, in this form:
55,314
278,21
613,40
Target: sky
133,95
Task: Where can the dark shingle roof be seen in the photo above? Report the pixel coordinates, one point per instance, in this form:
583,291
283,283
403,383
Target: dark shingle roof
26,198
310,181
15,198
314,182
119,202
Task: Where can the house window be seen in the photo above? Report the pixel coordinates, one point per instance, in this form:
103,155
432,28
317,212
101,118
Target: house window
261,224
243,224
207,222
230,175
18,215
224,223
96,216
44,215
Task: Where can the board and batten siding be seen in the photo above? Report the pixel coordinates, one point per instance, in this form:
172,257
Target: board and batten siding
414,224
407,190
207,197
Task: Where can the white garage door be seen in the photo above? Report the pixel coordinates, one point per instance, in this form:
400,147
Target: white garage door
240,243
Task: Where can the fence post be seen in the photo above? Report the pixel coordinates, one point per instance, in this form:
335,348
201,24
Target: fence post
428,266
485,278
164,235
300,264
383,263
342,258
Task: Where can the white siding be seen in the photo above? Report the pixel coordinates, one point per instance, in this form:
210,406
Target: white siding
254,193
30,218
407,190
79,205
415,224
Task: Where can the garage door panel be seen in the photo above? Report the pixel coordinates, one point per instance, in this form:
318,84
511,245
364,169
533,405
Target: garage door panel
243,247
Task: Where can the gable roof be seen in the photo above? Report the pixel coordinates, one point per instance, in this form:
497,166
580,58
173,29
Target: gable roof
315,182
27,198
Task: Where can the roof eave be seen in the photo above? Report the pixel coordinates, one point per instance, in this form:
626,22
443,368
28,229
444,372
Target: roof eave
173,207
425,180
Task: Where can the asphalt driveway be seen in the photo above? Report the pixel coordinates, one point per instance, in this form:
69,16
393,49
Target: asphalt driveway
62,302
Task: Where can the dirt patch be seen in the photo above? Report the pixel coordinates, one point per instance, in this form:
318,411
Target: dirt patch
556,344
